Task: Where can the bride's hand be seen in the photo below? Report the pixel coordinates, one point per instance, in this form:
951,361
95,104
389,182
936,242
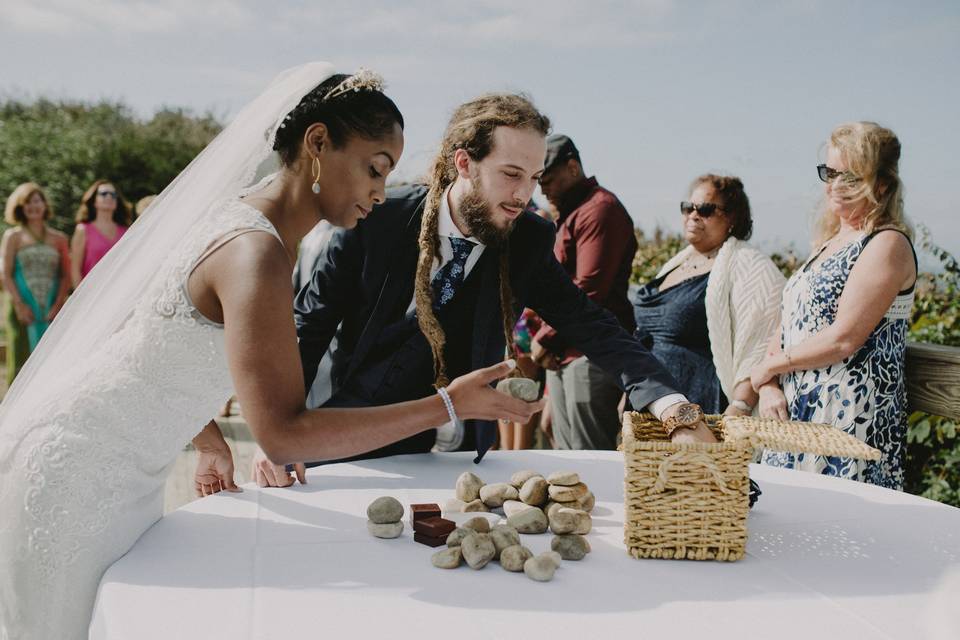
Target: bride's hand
474,398
267,474
214,472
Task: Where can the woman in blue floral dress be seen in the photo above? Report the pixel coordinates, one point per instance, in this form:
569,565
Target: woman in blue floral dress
838,357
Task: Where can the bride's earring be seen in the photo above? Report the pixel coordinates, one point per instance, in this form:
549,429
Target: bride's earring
315,170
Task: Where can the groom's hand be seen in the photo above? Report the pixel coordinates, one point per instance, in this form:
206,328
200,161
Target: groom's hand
542,356
267,474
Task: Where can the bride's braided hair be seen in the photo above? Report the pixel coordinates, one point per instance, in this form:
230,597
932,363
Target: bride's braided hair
471,128
366,112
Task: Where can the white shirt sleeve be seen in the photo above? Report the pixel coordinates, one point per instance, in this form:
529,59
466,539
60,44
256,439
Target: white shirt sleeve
658,406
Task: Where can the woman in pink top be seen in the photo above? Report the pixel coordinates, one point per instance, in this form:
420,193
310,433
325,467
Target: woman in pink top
102,219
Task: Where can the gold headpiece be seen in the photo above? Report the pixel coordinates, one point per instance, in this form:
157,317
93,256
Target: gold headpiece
363,80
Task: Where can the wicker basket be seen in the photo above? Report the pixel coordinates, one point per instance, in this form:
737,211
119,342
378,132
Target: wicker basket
691,500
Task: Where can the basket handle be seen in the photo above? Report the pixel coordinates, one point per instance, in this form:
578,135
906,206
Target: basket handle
689,457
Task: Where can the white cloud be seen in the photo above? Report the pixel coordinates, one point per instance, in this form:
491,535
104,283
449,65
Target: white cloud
134,17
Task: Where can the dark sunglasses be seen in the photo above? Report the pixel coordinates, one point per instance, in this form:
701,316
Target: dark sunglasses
704,209
828,174
108,194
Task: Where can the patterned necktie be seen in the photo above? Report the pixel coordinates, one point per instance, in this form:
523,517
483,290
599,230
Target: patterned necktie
450,276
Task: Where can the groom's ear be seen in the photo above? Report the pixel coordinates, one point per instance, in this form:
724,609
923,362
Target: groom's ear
316,138
462,160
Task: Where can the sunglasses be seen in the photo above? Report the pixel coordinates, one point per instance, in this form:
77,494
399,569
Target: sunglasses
828,174
704,209
108,194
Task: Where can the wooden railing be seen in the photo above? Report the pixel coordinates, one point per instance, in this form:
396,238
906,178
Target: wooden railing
933,379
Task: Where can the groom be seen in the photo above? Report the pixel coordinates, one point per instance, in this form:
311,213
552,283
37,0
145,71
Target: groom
428,287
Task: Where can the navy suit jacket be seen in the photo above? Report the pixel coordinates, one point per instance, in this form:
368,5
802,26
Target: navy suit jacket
365,278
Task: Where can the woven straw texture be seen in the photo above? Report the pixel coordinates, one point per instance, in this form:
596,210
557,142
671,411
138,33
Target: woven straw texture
683,500
797,437
691,500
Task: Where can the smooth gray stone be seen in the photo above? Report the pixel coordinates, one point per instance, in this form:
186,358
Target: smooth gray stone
447,558
478,550
534,491
511,507
540,568
494,495
513,557
520,388
572,493
519,477
531,520
503,536
385,510
478,524
564,478
468,487
457,535
476,505
388,530
570,546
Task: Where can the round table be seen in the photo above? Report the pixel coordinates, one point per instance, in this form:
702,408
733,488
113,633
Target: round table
826,558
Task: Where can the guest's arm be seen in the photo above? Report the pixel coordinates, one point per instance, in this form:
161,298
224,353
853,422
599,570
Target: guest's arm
78,245
8,254
743,392
883,269
63,249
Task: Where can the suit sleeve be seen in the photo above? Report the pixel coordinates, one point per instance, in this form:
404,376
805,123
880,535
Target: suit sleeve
600,249
595,332
320,306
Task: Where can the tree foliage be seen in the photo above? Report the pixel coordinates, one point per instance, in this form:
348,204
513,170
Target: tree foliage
65,145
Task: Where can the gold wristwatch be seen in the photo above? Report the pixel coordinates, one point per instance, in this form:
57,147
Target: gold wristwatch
688,416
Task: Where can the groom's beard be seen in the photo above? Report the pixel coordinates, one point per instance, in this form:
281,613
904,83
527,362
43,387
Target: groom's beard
478,217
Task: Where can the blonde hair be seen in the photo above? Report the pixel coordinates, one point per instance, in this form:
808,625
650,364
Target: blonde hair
14,213
872,155
470,128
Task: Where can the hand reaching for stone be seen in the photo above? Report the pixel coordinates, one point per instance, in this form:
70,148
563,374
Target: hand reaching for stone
473,398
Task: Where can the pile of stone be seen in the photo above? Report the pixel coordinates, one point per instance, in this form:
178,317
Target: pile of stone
532,504
477,544
385,517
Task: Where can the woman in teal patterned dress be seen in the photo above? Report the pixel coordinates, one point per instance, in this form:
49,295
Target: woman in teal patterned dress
838,357
36,273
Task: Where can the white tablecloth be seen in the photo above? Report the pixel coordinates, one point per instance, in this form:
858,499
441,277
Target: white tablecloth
826,558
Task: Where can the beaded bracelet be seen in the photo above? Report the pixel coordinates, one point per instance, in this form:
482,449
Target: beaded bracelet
448,403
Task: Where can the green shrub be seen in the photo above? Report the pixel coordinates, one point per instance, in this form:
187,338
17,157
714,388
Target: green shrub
65,145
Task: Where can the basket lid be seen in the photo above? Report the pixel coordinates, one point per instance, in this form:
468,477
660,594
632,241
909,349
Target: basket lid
796,437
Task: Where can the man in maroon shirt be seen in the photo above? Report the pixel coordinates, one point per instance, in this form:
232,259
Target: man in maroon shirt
595,244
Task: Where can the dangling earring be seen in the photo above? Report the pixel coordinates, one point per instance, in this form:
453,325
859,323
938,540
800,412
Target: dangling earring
315,170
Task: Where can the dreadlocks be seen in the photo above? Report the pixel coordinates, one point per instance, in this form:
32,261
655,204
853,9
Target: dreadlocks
470,128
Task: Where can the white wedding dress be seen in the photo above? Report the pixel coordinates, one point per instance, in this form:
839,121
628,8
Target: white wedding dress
83,476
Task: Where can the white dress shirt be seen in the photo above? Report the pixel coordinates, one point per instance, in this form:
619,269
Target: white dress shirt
446,230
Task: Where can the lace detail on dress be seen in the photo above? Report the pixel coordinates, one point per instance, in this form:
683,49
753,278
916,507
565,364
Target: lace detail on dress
82,478
230,216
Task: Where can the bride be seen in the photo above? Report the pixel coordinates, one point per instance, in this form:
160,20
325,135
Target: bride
194,302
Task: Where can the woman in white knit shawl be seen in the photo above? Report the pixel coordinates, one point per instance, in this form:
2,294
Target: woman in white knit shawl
709,312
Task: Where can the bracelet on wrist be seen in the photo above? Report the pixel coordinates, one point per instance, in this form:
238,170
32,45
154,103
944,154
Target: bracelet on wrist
448,403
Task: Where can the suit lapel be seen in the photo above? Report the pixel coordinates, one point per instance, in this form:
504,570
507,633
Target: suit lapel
488,304
397,283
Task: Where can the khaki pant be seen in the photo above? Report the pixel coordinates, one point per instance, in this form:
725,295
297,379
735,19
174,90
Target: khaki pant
584,400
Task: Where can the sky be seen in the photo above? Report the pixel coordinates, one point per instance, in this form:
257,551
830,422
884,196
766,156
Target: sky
653,92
